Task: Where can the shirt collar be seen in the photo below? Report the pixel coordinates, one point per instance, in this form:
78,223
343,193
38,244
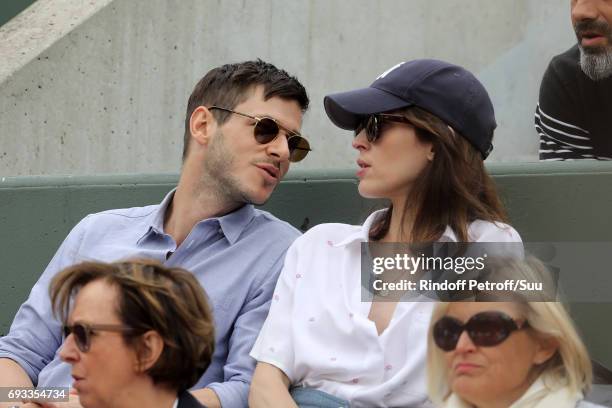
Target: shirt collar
362,235
154,223
232,224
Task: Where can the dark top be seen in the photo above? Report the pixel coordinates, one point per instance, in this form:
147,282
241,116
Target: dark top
186,400
574,114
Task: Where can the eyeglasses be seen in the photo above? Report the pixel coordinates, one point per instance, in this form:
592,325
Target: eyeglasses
82,332
373,124
267,129
486,329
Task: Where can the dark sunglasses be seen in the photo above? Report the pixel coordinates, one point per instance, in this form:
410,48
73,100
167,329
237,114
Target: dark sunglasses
267,129
82,332
486,329
373,124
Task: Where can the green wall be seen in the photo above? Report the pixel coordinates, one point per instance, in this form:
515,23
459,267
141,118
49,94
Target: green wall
10,8
546,202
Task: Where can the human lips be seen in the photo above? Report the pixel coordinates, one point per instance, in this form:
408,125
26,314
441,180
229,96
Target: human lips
593,33
77,381
270,169
363,167
464,367
590,39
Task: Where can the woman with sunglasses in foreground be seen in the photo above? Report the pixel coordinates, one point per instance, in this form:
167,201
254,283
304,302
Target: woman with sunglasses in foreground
138,334
422,130
518,354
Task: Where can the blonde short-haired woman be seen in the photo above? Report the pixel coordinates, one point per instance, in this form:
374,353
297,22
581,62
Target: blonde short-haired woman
515,354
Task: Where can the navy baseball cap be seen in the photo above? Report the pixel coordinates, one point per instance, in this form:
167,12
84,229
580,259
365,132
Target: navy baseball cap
448,91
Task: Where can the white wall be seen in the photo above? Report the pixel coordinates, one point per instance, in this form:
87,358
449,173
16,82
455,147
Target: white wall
110,96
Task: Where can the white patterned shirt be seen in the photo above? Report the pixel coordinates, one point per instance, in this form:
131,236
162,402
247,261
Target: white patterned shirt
318,332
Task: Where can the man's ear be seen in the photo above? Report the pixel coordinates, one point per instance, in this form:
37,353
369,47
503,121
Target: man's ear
148,349
201,125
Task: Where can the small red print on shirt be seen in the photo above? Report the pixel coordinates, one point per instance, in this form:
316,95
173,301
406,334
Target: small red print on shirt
330,243
388,367
355,380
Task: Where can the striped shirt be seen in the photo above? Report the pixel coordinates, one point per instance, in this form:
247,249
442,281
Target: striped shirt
574,115
560,140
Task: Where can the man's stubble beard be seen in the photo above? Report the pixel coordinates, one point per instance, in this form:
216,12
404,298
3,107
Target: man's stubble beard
218,175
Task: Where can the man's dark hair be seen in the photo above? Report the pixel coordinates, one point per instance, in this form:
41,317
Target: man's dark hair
230,85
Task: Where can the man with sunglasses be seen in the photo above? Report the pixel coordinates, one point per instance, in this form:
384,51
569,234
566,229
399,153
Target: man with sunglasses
242,129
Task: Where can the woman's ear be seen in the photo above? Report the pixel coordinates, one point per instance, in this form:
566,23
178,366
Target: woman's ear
547,347
148,349
430,153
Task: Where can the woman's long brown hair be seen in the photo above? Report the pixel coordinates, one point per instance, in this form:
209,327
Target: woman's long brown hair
453,190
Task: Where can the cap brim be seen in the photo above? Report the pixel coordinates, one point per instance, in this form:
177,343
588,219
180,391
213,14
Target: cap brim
345,109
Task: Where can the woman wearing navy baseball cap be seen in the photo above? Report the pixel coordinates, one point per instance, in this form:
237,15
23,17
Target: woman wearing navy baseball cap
422,131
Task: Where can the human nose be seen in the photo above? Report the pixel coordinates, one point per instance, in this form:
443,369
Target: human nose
584,10
360,142
69,352
279,147
464,344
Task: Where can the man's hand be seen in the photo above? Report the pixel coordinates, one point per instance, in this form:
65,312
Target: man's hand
12,375
207,397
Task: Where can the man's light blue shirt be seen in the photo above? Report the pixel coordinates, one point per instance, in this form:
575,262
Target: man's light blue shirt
236,258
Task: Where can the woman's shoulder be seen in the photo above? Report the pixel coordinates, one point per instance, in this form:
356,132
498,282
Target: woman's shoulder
492,231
